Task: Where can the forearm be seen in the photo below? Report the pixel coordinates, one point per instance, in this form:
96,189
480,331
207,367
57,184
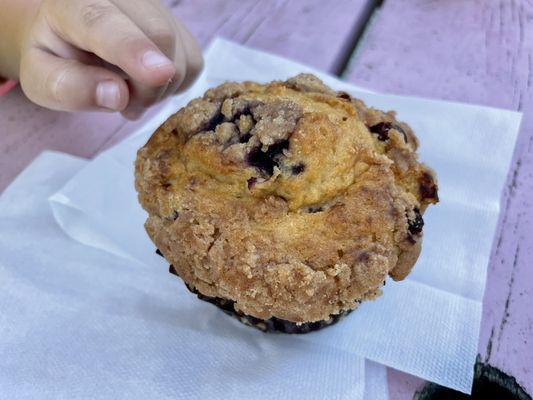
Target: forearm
15,17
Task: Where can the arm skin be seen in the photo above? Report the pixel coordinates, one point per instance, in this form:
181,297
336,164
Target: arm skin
15,19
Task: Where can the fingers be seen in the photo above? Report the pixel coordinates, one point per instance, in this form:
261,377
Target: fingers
68,85
193,55
188,58
188,49
153,20
117,55
141,98
102,28
170,35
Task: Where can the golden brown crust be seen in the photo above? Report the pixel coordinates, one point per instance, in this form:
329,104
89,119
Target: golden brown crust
291,199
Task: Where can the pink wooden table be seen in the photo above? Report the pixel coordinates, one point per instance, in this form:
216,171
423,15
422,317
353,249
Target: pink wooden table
478,51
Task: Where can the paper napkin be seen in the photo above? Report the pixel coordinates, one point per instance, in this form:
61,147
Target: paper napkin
80,323
427,325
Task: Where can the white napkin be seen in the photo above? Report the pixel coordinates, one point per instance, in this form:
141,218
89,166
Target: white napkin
427,325
80,323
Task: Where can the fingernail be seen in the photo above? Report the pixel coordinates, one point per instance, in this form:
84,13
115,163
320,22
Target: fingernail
154,60
108,95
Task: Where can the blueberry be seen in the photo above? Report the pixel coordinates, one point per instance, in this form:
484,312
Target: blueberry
344,96
382,130
267,160
298,169
251,182
245,138
427,187
213,123
416,225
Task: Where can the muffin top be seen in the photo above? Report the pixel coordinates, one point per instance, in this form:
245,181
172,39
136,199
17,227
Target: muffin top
289,198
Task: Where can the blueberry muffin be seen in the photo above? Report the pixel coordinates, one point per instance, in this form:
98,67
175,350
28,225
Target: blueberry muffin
285,204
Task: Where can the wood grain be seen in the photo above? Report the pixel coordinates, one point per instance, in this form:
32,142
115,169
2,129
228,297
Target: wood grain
26,130
315,32
480,52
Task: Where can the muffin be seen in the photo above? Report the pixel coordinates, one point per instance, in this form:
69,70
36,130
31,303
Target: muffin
286,204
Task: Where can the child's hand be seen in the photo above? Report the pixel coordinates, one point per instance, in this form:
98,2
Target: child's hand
120,55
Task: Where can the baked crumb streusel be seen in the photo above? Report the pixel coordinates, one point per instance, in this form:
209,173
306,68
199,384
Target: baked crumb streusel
288,199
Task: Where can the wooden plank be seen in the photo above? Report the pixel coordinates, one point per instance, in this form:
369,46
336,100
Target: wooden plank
478,51
26,130
402,385
316,32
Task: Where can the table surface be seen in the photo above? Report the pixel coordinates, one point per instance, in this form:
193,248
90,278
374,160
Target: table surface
477,51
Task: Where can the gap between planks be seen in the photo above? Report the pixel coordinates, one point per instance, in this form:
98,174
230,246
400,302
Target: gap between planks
356,37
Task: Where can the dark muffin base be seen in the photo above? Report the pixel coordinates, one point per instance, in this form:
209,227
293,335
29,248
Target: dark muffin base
266,325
